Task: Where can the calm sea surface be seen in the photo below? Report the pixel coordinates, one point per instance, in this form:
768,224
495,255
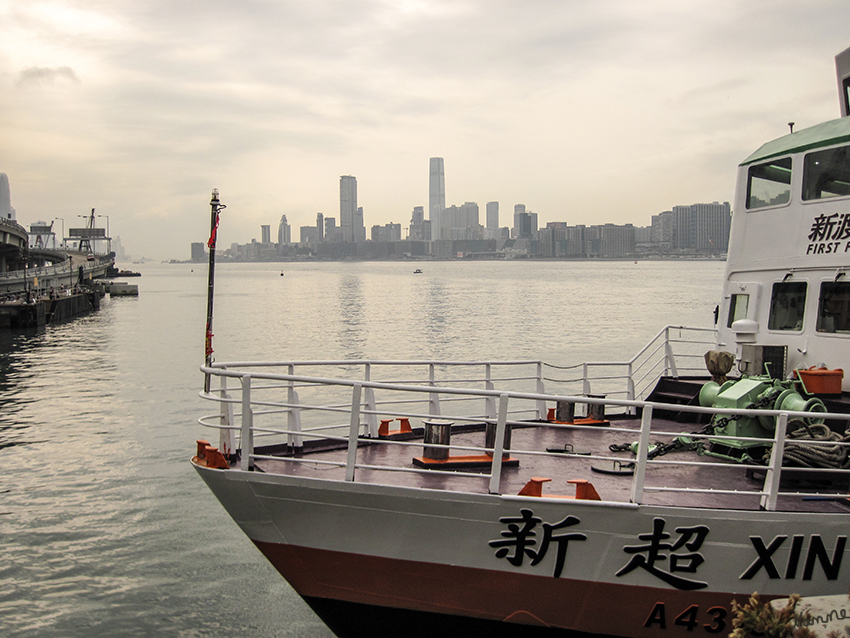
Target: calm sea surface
105,529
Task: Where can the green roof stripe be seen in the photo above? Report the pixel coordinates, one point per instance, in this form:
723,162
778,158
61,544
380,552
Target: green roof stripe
826,134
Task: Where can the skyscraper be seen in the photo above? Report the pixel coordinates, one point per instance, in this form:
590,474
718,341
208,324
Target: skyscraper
347,206
266,233
492,215
436,195
6,210
284,232
320,226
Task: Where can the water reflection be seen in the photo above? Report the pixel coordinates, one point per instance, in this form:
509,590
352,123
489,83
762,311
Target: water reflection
353,330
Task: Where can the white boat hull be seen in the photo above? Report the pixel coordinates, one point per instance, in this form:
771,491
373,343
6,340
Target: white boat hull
357,546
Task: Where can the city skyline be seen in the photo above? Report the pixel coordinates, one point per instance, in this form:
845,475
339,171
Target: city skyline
582,111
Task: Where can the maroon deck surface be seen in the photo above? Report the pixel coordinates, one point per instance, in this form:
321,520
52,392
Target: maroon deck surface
562,467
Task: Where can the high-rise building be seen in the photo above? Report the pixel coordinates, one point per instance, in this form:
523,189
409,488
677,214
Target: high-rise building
436,195
284,232
417,224
702,227
266,233
320,226
359,229
332,232
6,210
492,215
519,209
198,252
347,206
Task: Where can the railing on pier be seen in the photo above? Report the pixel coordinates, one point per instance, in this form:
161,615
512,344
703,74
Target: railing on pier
279,403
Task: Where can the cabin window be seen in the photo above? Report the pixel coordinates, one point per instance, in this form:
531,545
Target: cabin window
769,184
786,306
827,174
738,307
834,307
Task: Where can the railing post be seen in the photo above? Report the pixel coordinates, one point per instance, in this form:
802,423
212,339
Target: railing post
585,382
499,445
369,399
669,359
245,462
353,432
630,387
489,402
642,451
541,389
774,466
293,418
433,397
226,437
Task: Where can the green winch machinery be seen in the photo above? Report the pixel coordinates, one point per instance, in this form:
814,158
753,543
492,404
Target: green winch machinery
756,392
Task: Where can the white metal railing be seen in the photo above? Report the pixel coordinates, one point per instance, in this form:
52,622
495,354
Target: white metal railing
674,351
347,409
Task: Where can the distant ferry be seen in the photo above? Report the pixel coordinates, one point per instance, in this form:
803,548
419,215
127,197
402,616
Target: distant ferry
636,498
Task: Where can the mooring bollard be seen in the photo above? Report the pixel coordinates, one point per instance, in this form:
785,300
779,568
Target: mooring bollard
490,439
565,411
437,432
596,411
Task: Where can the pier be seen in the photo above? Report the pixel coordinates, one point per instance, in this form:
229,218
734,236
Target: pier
36,312
39,286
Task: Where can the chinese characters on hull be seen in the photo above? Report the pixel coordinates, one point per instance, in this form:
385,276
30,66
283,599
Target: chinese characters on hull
672,558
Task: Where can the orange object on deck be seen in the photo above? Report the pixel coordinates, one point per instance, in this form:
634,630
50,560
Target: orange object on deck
534,487
209,456
584,489
404,427
821,380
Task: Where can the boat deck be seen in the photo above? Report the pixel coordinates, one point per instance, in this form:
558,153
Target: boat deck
563,453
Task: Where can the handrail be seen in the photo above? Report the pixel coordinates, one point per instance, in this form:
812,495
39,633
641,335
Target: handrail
252,381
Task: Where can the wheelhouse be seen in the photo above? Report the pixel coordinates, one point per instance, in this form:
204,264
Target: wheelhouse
790,290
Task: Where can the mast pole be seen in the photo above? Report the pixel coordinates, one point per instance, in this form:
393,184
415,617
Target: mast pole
215,208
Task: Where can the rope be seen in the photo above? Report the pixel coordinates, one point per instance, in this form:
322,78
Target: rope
798,451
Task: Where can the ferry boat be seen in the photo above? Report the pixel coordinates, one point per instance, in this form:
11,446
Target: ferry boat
636,498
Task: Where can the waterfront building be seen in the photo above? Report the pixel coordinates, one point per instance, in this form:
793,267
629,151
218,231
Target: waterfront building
492,216
347,207
333,233
308,235
519,209
388,233
702,227
266,233
198,251
284,232
418,225
320,227
436,195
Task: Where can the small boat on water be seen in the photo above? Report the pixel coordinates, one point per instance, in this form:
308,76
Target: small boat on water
634,498
418,271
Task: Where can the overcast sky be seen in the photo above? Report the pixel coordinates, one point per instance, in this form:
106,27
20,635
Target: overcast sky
585,111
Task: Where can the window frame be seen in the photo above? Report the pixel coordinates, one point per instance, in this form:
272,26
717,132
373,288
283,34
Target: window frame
768,166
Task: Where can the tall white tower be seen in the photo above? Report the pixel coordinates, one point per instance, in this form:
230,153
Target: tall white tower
436,196
347,206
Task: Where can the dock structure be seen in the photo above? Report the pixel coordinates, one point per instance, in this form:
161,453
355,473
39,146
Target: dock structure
39,286
36,312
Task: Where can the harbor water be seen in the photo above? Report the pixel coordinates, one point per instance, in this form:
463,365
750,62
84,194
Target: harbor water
106,530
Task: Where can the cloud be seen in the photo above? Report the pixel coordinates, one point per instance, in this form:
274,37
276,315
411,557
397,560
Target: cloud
41,75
